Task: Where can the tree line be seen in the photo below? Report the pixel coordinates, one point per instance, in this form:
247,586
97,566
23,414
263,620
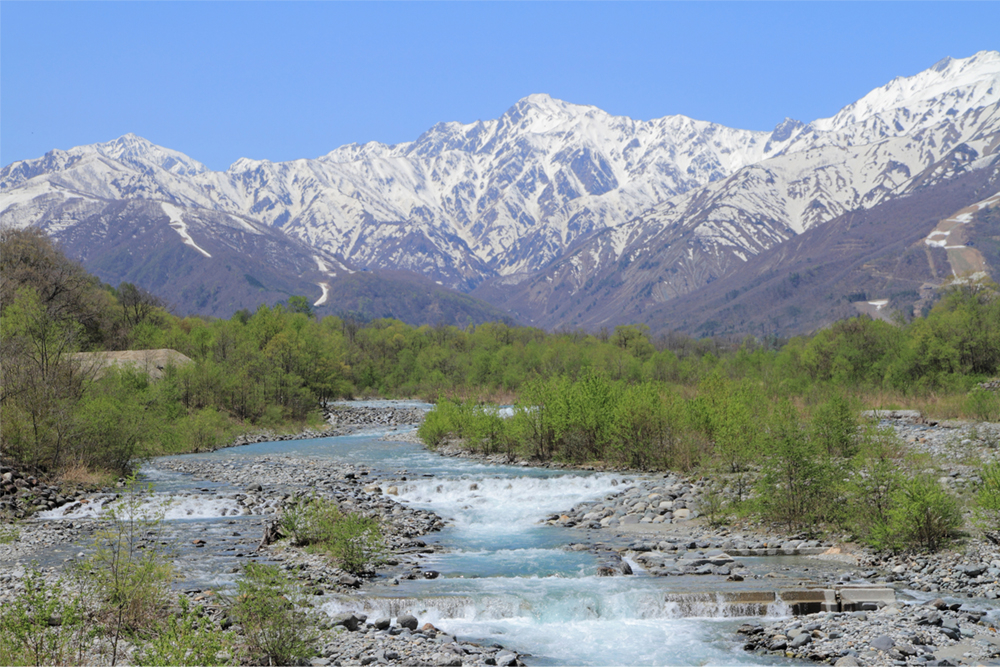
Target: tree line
273,367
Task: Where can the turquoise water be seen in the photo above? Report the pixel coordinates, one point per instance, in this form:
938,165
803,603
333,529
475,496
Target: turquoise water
505,578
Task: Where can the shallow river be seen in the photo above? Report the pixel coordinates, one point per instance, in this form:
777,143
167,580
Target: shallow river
504,577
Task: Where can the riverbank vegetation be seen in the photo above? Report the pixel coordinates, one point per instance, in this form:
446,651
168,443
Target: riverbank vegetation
117,607
782,411
353,541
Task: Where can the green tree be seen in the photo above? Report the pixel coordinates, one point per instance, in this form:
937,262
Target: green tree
877,473
738,426
264,605
923,515
127,575
793,486
835,427
113,425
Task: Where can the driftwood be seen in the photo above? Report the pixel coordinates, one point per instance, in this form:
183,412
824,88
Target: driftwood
272,533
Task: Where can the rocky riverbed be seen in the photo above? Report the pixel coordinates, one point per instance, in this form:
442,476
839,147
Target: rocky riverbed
352,638
933,633
655,523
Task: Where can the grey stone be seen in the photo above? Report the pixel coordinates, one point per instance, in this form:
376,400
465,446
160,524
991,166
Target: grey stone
506,658
348,580
973,570
349,621
882,643
800,641
846,661
407,621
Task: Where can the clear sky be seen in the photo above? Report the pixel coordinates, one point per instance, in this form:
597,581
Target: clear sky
287,80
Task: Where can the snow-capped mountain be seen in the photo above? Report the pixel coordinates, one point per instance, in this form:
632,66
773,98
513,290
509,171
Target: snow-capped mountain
553,192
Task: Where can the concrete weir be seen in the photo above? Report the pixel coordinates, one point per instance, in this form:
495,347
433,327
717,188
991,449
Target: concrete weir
792,601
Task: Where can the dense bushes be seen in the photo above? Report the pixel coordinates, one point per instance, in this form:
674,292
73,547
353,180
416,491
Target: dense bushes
592,419
354,541
766,460
264,605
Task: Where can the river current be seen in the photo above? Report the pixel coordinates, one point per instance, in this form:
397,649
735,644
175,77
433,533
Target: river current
504,577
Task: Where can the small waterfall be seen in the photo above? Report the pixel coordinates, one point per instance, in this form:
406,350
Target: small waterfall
168,506
505,504
721,605
778,609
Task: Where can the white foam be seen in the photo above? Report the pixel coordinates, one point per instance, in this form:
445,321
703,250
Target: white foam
504,505
167,507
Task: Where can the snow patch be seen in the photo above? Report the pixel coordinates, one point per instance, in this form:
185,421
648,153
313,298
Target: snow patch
326,292
178,225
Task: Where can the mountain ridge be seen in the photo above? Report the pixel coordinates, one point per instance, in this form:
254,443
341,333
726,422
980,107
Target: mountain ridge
503,201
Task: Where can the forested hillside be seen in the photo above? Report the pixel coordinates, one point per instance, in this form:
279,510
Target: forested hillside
271,368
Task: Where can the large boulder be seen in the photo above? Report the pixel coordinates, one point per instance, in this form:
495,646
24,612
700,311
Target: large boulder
407,621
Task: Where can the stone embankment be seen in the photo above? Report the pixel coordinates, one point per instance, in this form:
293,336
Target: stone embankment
340,414
356,639
343,419
655,519
22,494
271,436
934,633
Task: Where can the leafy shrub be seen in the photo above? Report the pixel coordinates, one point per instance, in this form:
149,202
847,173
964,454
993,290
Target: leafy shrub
438,423
206,430
264,606
187,638
983,405
44,625
923,515
988,497
354,541
127,576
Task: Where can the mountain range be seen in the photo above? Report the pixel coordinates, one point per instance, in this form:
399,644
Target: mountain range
559,215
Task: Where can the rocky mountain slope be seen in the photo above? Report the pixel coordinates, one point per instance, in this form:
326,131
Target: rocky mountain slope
560,212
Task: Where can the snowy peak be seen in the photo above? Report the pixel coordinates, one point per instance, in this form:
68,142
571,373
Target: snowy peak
951,86
539,114
133,149
465,202
128,151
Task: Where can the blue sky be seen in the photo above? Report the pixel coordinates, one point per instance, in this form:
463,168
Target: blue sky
280,81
